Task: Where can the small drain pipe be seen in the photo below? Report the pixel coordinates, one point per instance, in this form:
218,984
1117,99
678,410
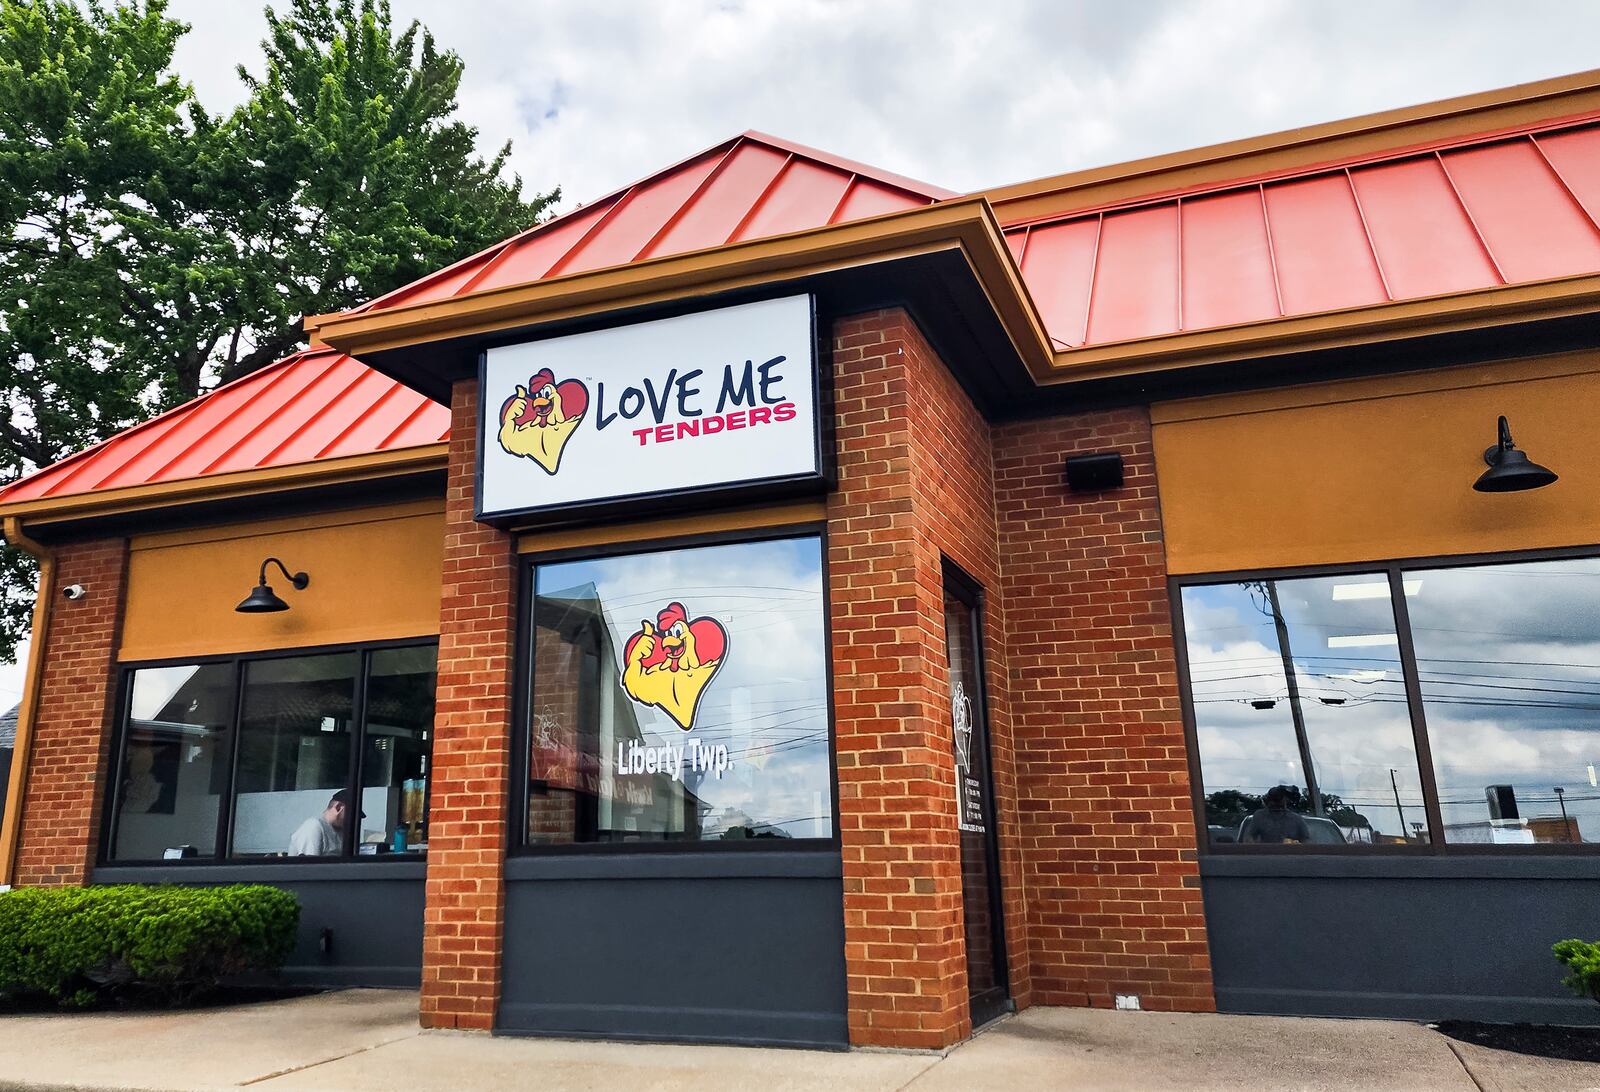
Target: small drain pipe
11,823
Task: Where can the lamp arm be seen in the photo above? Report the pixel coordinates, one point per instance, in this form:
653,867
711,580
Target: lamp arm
299,580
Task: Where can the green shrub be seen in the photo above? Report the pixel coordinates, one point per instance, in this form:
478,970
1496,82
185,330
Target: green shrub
82,945
1582,958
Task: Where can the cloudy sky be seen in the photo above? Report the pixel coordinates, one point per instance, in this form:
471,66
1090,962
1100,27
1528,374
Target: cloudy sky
965,95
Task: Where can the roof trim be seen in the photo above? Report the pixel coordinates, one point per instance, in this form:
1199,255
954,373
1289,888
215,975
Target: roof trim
1478,308
967,224
1216,163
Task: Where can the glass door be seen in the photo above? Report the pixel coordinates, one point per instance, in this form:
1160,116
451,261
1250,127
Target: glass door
987,981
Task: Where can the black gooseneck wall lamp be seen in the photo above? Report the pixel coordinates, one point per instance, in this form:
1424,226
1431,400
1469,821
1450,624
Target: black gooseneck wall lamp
1510,470
262,599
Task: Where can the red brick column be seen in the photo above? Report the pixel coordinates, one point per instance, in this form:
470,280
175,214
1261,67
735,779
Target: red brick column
464,921
1108,824
62,802
914,485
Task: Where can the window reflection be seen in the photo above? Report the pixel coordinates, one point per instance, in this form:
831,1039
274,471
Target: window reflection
175,767
294,757
680,696
1509,662
1300,713
397,744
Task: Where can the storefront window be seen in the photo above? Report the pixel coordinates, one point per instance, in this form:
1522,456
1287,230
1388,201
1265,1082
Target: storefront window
1305,730
294,755
174,770
680,696
328,758
399,742
1508,657
1300,713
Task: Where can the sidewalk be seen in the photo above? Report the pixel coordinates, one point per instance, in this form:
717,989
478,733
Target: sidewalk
360,1040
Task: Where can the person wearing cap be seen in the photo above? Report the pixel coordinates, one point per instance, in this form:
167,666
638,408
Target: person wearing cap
322,835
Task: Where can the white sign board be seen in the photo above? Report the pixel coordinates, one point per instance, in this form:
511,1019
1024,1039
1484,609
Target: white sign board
701,401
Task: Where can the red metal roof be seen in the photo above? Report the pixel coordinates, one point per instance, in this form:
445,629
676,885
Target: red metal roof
318,404
1497,209
1501,209
749,187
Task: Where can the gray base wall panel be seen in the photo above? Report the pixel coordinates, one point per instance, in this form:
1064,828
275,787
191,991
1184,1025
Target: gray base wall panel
1466,939
736,949
374,911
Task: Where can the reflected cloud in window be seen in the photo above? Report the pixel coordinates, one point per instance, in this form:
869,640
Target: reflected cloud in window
1509,662
1300,713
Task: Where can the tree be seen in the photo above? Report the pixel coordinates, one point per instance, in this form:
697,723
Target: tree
154,250
89,119
343,176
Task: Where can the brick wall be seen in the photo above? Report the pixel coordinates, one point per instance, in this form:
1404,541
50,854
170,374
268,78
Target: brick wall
464,921
915,484
1108,828
62,802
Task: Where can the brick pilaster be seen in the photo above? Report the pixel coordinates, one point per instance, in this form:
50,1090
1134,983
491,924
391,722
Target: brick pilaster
62,802
464,921
915,485
1108,825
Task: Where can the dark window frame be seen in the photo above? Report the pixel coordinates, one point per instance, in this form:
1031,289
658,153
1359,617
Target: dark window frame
517,844
221,856
1393,570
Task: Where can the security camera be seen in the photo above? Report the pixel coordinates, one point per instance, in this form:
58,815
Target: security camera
74,591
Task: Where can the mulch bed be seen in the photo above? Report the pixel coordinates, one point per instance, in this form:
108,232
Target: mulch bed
1543,1040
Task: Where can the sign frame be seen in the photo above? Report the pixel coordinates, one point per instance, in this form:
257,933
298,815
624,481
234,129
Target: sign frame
818,478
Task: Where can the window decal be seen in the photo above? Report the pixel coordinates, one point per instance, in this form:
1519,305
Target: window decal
670,662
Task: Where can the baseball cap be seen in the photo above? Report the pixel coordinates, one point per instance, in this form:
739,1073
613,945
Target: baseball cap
343,797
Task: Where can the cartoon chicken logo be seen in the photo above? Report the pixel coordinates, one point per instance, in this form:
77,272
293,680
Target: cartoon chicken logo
670,662
537,422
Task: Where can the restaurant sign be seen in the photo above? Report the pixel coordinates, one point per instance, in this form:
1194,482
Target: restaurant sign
699,402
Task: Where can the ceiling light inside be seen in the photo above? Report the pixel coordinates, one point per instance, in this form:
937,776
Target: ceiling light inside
1373,589
1363,640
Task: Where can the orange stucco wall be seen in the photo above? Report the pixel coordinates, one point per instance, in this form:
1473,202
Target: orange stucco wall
1374,469
375,575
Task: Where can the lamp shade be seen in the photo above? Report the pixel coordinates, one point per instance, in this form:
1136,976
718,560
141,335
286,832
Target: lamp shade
1510,470
261,600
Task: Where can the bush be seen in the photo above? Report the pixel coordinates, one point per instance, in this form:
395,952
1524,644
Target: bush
1582,958
171,945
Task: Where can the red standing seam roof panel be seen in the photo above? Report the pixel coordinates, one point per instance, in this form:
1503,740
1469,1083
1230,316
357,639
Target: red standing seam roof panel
1532,225
1425,239
744,175
1135,290
1575,156
1057,267
1227,264
805,193
1320,248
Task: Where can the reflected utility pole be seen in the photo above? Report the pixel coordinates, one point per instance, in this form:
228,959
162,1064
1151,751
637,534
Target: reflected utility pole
1293,684
1395,785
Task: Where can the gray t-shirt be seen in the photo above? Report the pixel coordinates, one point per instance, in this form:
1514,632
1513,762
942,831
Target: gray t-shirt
1273,827
315,838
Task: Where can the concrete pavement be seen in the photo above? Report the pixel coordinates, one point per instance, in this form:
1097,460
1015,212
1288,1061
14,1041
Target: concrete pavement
359,1040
